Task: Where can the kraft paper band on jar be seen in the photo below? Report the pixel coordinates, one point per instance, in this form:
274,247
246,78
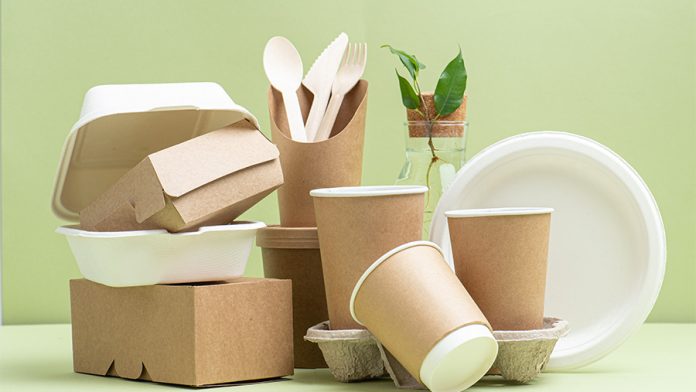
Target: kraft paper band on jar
500,256
416,307
334,162
293,253
356,226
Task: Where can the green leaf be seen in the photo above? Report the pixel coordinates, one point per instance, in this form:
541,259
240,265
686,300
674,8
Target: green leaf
450,88
408,95
410,62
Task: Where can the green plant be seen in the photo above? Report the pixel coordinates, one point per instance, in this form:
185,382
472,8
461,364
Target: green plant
449,91
448,95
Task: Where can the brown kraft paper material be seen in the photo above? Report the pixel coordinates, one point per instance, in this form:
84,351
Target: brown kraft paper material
286,256
501,260
356,231
207,180
188,334
411,301
334,162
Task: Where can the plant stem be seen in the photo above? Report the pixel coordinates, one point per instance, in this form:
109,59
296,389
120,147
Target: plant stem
428,121
429,124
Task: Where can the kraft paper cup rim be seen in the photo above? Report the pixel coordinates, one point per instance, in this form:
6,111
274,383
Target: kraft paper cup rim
369,191
503,211
459,359
377,263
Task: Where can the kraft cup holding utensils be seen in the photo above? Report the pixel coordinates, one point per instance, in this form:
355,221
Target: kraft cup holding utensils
334,162
356,226
293,253
413,303
500,255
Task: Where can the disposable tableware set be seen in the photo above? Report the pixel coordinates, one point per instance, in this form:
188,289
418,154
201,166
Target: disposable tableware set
520,275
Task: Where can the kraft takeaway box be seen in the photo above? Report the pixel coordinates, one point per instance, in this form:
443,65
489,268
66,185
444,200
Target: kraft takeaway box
195,335
208,180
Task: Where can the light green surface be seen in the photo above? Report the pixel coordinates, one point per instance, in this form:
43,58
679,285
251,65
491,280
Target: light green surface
660,357
621,72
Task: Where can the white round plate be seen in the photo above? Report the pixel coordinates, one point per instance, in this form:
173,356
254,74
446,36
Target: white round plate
607,250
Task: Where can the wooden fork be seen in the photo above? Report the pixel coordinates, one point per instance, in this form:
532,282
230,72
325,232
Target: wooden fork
350,72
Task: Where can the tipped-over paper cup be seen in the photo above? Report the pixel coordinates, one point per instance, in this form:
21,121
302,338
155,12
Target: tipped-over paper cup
356,226
500,255
293,253
416,307
334,162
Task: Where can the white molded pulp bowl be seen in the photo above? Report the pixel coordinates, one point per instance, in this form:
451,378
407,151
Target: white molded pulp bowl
147,257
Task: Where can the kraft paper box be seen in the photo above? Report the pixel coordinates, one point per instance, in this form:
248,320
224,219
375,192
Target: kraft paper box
207,180
193,335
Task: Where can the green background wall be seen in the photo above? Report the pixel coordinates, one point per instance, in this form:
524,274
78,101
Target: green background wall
621,72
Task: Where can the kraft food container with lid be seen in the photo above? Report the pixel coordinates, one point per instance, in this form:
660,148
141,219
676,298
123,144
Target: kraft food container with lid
119,126
293,253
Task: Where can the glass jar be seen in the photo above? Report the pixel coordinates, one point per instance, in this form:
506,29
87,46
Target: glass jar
435,151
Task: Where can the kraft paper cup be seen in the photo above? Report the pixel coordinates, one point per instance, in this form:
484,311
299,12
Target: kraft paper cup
500,255
293,253
356,226
334,162
416,307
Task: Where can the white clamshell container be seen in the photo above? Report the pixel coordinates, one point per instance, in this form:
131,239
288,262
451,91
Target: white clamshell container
147,257
119,126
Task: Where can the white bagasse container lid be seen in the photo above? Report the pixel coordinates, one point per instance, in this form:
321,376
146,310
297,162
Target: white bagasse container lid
120,125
